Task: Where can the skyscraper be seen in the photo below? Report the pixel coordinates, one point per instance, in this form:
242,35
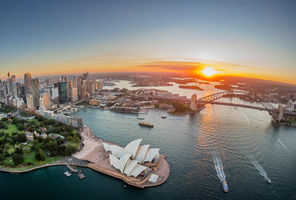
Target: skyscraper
74,95
35,91
64,79
64,92
12,86
27,82
86,77
30,101
75,81
45,100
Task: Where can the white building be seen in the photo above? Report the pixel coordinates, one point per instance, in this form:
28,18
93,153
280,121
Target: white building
291,106
54,93
74,95
45,101
30,101
128,159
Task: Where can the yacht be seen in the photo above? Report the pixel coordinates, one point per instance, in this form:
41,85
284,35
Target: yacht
67,173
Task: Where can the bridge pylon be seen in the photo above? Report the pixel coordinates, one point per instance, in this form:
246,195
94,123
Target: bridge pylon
195,105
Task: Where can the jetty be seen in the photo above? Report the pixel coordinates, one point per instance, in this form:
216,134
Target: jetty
71,168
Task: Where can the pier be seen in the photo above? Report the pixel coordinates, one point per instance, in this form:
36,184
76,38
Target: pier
71,168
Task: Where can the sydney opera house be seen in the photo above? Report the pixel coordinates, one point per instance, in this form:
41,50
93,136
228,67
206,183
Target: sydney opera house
133,160
135,164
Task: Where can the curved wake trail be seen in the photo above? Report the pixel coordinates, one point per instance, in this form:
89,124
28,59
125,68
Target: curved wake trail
260,169
283,145
218,166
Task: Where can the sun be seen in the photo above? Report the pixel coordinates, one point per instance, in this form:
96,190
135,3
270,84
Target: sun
208,72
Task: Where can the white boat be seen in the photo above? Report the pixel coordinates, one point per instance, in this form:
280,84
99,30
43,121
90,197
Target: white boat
163,116
225,186
268,180
141,118
67,173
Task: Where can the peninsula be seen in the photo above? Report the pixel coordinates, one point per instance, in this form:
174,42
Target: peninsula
29,142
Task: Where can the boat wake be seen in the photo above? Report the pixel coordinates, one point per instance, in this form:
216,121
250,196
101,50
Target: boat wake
283,145
219,169
261,170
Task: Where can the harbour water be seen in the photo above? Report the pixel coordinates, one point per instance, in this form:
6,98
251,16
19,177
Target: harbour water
236,134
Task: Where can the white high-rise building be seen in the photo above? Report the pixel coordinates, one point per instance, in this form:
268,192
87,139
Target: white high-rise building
45,101
30,101
74,95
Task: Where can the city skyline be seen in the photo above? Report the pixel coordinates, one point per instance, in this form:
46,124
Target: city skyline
48,38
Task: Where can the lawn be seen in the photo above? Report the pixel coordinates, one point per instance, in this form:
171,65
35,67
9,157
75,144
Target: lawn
10,129
28,158
11,150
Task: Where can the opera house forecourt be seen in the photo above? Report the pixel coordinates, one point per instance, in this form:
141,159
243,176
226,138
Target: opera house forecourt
137,165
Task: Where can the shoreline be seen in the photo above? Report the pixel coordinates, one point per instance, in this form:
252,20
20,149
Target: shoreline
92,156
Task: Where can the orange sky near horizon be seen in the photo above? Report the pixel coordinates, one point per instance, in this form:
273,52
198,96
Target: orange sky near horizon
179,66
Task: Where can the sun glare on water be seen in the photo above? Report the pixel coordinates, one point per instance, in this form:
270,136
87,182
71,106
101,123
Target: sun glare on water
208,72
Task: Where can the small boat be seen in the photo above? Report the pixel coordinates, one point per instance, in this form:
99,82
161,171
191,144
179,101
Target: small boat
67,173
268,180
225,186
140,118
80,174
145,124
163,116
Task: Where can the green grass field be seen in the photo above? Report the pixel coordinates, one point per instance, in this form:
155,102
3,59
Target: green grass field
11,128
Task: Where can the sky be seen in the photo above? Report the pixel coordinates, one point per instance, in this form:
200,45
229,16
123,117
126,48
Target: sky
253,38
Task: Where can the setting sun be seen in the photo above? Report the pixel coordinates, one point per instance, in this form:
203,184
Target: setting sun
208,72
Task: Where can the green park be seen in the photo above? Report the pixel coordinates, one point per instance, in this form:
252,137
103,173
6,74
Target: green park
28,140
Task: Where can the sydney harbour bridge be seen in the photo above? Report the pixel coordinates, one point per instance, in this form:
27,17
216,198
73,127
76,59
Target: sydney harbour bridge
221,98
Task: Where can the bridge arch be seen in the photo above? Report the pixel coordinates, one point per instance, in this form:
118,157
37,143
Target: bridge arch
211,99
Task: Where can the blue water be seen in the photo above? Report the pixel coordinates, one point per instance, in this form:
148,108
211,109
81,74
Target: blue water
236,134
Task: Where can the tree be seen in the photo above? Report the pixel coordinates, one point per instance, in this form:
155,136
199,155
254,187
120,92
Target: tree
52,145
60,141
17,159
2,133
19,150
2,157
40,155
20,126
21,137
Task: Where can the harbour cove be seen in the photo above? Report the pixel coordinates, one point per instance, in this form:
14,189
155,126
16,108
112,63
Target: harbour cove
177,100
238,145
187,142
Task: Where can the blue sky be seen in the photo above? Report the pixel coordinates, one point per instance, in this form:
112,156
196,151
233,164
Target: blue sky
41,36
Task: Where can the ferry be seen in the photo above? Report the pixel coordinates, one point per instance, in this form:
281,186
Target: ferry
268,180
145,124
225,186
67,173
163,116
